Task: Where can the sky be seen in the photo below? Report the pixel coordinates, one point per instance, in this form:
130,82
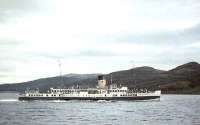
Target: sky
95,36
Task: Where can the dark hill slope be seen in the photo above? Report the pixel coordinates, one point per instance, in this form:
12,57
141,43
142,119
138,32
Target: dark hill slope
182,79
56,82
137,77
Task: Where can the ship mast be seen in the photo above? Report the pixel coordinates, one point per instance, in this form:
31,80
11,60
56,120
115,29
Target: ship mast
134,73
60,71
111,79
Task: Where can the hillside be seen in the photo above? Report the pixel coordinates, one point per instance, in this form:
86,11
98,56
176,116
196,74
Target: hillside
182,79
56,82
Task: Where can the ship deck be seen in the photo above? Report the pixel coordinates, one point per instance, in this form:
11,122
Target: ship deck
90,98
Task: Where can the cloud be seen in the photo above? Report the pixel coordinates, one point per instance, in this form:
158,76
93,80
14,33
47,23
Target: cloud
95,36
195,45
10,9
97,53
184,36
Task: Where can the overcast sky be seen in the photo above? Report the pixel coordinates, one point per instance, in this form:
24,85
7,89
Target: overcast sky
95,36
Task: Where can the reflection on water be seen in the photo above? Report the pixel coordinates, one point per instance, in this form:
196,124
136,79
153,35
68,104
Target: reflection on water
171,109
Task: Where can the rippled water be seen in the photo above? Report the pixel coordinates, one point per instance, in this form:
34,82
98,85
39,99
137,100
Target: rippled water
171,109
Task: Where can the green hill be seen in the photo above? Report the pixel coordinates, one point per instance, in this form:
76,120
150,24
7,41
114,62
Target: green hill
182,79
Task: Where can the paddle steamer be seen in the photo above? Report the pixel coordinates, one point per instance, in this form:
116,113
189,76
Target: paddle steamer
101,92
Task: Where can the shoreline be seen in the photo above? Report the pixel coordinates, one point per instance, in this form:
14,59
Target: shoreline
163,93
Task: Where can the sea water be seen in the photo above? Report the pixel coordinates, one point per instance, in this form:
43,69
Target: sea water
170,109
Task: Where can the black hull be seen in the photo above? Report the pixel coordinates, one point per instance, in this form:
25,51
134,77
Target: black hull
90,98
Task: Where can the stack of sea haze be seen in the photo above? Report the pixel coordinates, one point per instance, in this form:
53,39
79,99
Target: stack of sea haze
184,79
